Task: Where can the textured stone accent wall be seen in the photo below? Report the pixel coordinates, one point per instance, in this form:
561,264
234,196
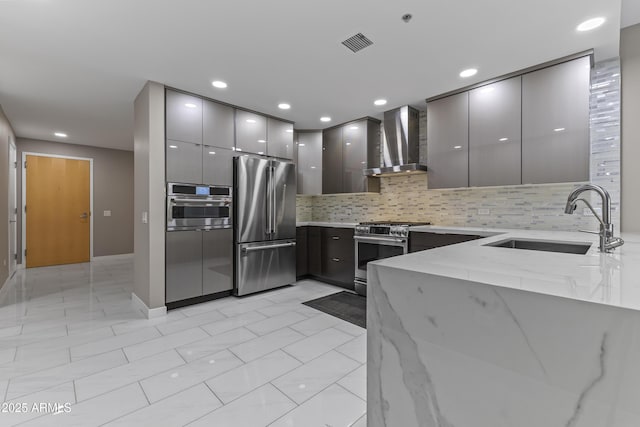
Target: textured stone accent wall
541,207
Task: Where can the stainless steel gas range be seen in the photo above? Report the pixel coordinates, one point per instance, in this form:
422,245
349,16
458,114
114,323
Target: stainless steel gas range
375,241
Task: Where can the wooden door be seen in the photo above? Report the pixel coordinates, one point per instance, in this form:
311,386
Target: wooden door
57,211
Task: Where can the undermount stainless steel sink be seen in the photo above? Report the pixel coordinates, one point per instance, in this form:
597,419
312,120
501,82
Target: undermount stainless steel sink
543,245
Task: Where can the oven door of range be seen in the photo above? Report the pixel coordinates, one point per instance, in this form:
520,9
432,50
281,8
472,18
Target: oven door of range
373,248
188,213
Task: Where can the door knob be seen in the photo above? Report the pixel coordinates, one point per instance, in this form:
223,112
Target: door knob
84,215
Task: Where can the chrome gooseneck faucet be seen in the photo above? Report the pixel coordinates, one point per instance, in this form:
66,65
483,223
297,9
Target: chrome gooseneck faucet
607,241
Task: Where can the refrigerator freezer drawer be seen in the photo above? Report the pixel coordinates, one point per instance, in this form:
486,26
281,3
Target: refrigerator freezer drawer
264,265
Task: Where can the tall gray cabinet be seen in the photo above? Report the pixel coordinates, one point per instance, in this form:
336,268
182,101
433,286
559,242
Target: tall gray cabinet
183,137
555,123
309,162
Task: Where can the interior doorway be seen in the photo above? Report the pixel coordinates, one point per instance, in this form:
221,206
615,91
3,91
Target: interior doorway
57,206
13,209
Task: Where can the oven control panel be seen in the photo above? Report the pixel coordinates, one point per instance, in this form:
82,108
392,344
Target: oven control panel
382,230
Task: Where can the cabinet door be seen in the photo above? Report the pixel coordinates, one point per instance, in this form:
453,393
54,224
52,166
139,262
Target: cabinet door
555,123
183,265
310,162
302,268
338,255
494,134
279,139
218,125
332,161
314,247
184,117
354,160
217,166
448,142
217,261
184,162
251,132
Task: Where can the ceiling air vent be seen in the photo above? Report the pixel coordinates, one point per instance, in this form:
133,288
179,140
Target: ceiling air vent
357,42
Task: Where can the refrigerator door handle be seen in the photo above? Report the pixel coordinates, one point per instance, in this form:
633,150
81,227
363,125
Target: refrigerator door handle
273,200
268,203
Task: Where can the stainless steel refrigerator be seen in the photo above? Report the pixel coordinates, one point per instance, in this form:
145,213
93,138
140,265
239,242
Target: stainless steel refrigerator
265,224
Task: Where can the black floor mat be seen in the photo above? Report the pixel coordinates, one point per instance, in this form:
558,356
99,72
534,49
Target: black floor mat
343,305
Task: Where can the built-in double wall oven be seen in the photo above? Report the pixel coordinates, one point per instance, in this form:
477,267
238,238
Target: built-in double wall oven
199,243
198,207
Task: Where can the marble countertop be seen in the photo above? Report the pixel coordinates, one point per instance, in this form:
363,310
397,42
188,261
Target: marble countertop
610,279
327,224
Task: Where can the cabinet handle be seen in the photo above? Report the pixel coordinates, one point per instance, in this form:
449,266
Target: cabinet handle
335,237
335,259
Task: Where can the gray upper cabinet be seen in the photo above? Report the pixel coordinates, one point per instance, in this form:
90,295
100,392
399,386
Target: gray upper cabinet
183,117
279,139
448,141
354,157
494,134
184,162
217,261
555,123
217,166
218,125
251,132
332,161
309,162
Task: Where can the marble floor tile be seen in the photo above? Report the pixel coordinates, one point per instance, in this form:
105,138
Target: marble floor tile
356,382
350,328
265,344
214,344
225,325
241,380
315,345
47,378
258,408
355,349
10,331
96,411
361,422
7,355
174,411
311,378
237,309
316,324
182,377
345,410
33,363
132,325
190,322
276,322
167,342
111,379
113,343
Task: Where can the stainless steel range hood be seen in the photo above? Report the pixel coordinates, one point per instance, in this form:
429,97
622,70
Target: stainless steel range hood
400,144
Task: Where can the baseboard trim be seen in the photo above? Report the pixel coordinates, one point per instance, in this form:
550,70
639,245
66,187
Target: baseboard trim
112,257
149,313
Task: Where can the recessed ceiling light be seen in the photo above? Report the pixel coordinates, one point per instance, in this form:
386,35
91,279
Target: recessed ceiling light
325,119
289,130
189,105
61,134
212,152
558,129
173,146
380,102
590,24
284,106
503,139
219,84
468,72
262,141
354,128
251,121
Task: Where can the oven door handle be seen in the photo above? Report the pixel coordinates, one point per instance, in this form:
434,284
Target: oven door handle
199,202
380,240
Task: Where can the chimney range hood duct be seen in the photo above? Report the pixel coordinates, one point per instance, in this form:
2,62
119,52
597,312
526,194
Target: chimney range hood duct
400,143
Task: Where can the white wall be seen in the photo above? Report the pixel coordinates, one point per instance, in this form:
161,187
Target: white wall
149,196
630,61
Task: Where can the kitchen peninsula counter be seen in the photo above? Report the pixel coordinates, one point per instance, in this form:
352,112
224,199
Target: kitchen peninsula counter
470,335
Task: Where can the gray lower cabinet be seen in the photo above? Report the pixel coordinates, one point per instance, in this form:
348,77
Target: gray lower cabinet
218,125
184,162
279,139
494,134
183,117
217,166
448,136
183,265
309,162
332,161
555,123
217,261
251,132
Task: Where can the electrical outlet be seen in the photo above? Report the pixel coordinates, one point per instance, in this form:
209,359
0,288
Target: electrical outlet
107,213
484,212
